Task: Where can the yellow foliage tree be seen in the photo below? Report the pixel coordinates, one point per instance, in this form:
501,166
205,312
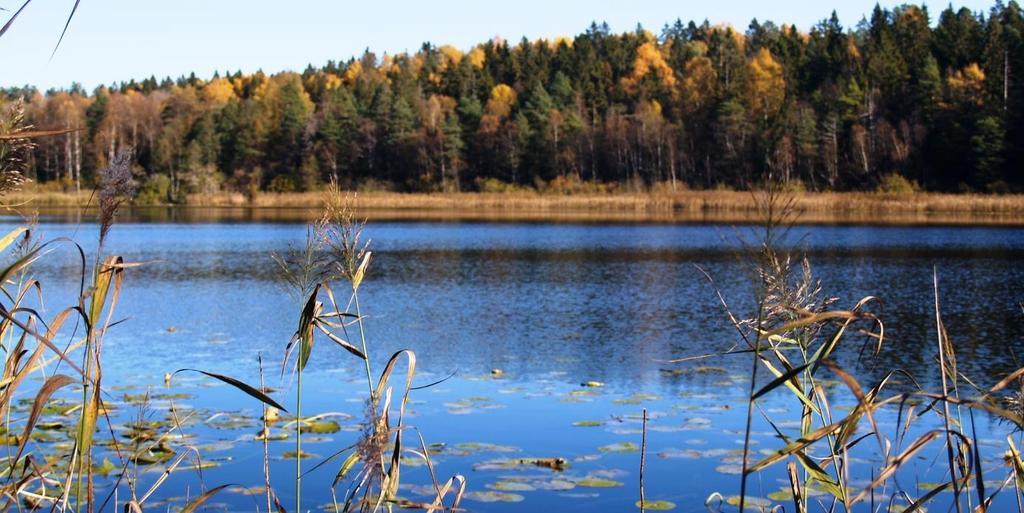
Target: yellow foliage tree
450,57
477,57
967,85
501,101
649,60
218,92
559,41
352,72
331,82
766,86
698,84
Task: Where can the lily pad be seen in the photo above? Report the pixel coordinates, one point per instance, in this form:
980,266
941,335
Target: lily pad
511,486
657,505
730,469
272,436
597,482
558,485
155,454
636,399
752,503
485,447
105,468
690,454
290,455
491,496
248,490
710,370
321,426
620,447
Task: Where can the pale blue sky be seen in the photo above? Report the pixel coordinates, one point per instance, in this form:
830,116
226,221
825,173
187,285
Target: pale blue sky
113,40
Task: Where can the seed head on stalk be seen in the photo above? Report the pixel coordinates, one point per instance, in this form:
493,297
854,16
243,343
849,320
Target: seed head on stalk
343,236
115,188
13,148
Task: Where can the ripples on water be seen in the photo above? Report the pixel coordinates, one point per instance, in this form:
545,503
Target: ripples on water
552,305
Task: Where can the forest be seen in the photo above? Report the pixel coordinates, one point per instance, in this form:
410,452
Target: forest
932,104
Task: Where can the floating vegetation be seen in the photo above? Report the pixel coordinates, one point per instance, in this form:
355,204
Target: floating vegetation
620,447
205,464
471,405
557,485
697,423
657,505
468,448
557,464
290,455
155,454
751,503
406,461
511,486
248,490
142,398
321,426
267,434
492,496
709,370
667,429
636,399
105,468
585,393
680,453
231,421
599,482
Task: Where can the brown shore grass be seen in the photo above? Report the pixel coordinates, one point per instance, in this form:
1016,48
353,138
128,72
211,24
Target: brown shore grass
682,206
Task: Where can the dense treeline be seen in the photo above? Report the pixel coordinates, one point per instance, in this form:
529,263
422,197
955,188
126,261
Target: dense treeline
698,105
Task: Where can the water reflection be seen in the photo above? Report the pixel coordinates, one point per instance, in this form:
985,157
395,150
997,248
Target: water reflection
605,302
195,214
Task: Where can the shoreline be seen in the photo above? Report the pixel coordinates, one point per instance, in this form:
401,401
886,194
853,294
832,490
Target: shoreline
660,207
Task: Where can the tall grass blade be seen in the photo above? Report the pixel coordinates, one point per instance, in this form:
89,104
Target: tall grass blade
3,30
52,384
248,389
199,501
65,31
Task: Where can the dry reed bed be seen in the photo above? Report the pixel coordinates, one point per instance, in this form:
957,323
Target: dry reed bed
684,206
691,201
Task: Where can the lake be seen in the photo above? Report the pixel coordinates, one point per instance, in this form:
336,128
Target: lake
521,314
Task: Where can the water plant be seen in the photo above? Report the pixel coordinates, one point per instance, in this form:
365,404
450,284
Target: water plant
335,251
794,335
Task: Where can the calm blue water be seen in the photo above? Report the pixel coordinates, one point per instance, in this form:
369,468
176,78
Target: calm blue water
551,306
